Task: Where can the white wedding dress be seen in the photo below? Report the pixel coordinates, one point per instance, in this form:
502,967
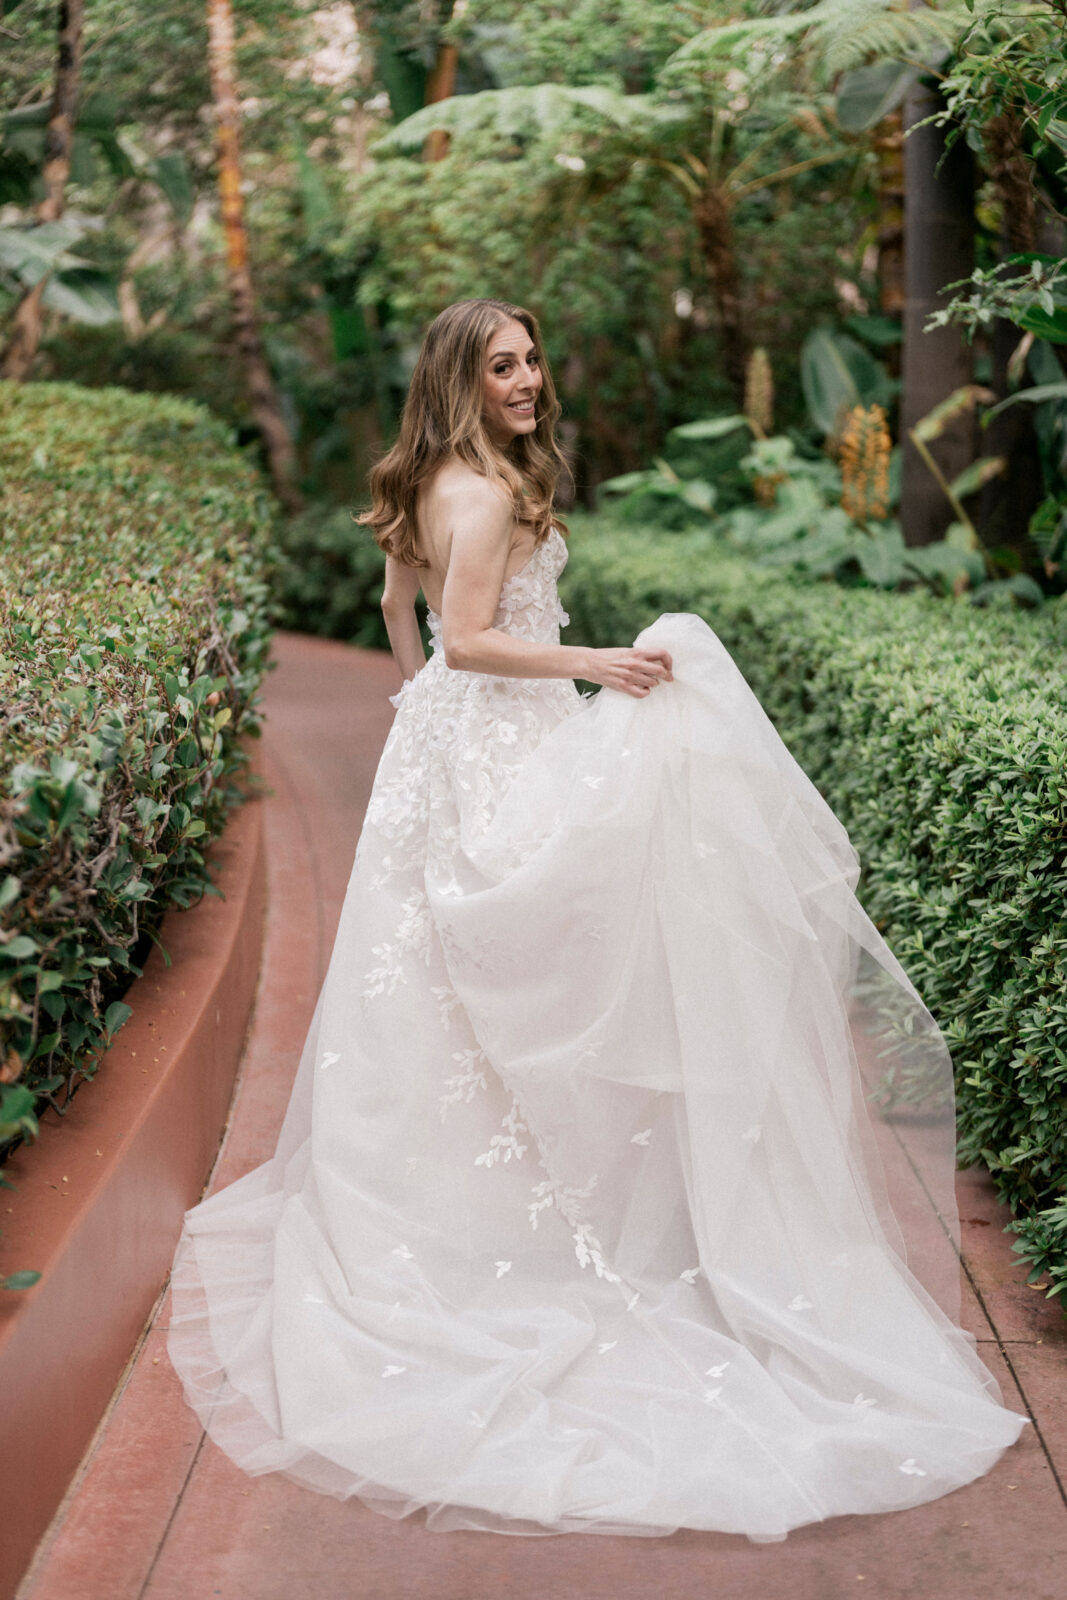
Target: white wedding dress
615,1191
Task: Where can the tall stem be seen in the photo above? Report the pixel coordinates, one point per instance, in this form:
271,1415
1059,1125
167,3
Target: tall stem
262,393
715,226
441,85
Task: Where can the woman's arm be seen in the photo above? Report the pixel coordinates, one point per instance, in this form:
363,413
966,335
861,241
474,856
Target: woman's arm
477,562
401,624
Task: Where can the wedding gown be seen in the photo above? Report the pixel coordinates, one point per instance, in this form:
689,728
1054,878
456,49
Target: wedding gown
615,1191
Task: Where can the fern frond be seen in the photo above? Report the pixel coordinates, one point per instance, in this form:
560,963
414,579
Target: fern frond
890,36
538,110
841,34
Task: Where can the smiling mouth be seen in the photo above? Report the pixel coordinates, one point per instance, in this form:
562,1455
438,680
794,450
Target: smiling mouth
523,407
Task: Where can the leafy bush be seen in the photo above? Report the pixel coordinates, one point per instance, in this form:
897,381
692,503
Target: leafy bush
133,638
938,734
166,360
802,525
699,471
329,580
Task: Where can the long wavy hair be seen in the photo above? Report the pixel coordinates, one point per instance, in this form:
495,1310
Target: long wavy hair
442,417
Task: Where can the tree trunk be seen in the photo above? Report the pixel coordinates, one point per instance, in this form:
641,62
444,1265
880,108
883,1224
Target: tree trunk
440,85
889,144
938,250
26,323
263,395
1010,170
715,227
1008,502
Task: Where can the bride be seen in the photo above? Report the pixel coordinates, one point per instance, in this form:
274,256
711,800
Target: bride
615,1193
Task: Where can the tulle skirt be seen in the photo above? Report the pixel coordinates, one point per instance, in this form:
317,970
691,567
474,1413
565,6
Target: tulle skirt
616,1190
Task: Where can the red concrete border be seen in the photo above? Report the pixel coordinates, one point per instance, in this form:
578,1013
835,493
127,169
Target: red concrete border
98,1205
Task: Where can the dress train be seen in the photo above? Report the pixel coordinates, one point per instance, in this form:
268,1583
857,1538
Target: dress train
616,1189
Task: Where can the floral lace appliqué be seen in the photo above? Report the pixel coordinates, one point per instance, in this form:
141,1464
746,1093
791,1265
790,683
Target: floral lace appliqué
505,1146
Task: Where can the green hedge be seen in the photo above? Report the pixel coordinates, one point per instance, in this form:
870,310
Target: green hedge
133,638
938,734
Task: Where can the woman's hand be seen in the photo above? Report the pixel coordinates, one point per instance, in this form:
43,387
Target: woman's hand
633,672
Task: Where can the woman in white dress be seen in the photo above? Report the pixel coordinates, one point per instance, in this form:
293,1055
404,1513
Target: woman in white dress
615,1193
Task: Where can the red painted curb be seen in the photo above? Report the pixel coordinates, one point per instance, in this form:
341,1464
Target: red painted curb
98,1206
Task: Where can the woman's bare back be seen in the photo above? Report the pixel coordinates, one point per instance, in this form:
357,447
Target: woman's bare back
442,503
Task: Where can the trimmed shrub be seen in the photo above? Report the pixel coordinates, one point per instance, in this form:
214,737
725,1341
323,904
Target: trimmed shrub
133,638
938,734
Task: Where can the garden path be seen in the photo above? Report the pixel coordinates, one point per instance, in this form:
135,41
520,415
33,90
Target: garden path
158,1513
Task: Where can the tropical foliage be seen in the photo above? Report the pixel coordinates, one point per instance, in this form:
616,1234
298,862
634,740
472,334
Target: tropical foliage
825,512
354,246
671,187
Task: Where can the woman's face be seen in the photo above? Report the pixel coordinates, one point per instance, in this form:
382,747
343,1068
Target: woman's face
512,384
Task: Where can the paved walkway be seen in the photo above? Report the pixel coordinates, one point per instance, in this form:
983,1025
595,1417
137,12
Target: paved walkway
158,1513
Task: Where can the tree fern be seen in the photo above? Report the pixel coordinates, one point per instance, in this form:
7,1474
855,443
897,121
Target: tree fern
841,33
539,110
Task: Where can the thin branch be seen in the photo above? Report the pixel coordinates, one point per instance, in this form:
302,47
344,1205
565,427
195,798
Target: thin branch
760,145
786,172
715,145
953,498
685,180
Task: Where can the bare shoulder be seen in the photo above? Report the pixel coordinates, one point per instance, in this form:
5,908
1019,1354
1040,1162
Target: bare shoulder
457,487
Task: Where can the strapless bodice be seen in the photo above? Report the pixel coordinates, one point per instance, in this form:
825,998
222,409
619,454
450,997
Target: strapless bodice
529,604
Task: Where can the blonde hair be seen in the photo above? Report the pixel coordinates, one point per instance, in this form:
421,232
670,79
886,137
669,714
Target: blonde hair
442,417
